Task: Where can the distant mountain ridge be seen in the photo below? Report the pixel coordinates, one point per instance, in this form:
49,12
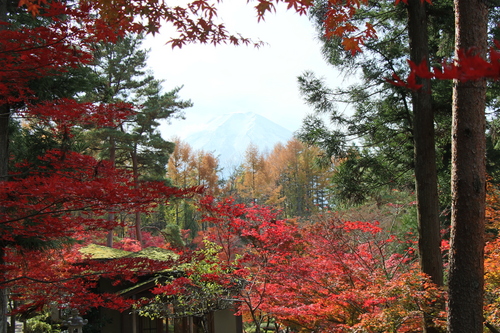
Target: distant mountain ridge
228,137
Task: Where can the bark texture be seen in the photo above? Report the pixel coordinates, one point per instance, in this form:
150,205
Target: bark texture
426,184
425,153
465,304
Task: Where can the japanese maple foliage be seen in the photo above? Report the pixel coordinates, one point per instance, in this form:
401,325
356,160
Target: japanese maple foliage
329,276
60,37
65,113
467,67
67,278
492,256
63,196
351,276
66,198
197,21
70,193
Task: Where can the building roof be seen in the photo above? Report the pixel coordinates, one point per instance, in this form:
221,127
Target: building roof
100,252
94,251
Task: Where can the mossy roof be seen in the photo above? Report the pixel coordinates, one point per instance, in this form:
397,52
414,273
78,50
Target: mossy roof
100,252
154,253
95,251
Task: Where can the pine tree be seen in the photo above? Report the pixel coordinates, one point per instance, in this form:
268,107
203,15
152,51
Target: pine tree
120,69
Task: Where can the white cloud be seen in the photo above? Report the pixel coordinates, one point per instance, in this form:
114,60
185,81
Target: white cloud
227,78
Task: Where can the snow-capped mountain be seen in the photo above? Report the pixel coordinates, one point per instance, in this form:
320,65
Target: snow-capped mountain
228,137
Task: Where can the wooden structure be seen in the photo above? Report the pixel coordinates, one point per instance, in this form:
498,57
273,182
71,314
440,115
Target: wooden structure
113,321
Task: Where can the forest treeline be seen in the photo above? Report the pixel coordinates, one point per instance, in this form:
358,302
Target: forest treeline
290,178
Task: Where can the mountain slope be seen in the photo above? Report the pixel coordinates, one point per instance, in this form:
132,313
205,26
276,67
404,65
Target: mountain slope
228,136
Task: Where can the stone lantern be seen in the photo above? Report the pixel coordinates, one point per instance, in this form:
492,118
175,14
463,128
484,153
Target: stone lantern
75,322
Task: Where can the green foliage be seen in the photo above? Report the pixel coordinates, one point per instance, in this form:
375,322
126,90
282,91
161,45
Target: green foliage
30,141
41,324
372,143
71,83
409,221
173,235
121,73
197,287
363,175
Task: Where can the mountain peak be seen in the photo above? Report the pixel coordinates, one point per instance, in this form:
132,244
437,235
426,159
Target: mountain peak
228,137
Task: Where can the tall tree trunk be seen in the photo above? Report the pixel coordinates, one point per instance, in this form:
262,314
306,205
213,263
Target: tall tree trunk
5,113
4,141
429,238
425,153
465,303
4,300
135,170
112,159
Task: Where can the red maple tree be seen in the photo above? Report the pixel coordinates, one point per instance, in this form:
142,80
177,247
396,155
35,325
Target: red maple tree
330,276
64,196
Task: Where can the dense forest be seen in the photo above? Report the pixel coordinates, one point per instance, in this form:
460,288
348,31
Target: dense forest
383,220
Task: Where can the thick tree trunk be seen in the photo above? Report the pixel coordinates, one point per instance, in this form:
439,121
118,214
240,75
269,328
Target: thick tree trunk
429,239
465,303
425,153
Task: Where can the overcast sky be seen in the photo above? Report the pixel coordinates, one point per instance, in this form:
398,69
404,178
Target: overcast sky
226,78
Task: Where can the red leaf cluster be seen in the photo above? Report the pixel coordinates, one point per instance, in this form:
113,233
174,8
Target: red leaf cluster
329,276
65,276
66,196
468,66
64,41
70,193
67,113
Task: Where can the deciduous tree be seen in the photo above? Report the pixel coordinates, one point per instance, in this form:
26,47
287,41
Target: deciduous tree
330,275
39,47
42,202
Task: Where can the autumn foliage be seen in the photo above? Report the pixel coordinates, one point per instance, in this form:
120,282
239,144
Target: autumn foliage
66,199
492,255
467,67
67,279
330,276
62,197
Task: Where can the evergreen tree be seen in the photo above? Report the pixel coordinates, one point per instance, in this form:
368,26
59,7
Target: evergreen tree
466,272
378,137
394,130
121,76
396,126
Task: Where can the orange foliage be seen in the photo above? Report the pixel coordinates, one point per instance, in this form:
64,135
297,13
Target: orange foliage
492,255
287,178
195,21
492,206
193,168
